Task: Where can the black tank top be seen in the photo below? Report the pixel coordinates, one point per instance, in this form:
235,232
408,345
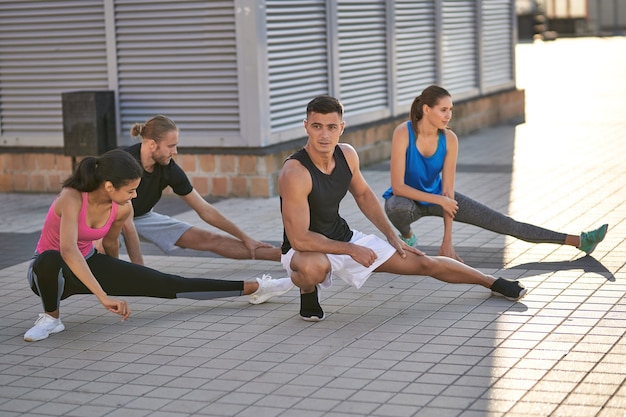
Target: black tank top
325,197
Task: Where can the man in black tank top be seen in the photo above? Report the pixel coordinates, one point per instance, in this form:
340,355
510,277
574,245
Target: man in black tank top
319,244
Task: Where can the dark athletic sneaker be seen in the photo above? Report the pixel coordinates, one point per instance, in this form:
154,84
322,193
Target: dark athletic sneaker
310,309
509,289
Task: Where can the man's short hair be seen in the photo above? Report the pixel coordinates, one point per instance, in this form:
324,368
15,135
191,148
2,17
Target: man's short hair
324,104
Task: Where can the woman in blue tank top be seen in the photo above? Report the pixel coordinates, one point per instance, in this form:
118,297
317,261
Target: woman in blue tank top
423,168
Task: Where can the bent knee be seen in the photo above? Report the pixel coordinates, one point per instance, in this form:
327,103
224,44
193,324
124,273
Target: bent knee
48,260
310,267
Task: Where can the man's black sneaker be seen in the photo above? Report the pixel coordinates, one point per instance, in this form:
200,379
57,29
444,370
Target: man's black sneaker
509,289
310,309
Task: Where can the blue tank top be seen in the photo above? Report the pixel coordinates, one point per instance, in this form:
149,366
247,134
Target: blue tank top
423,173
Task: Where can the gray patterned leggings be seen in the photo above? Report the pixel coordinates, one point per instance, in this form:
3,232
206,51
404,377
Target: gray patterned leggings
403,211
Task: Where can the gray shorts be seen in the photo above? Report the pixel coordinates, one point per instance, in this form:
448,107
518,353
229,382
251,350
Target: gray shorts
345,267
163,231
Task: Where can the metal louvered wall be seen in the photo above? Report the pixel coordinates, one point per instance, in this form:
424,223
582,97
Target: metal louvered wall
297,58
497,45
416,49
46,48
362,56
459,47
239,73
179,59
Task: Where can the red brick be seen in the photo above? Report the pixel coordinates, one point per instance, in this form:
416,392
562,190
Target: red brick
227,164
6,183
259,187
239,187
64,164
38,183
274,162
54,183
187,163
11,163
207,163
20,182
219,186
30,162
46,161
248,165
201,184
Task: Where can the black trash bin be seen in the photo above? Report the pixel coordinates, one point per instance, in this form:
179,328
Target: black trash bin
88,122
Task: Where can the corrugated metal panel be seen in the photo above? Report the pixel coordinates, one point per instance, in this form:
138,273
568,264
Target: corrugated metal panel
460,54
47,47
497,42
297,51
179,58
416,54
362,35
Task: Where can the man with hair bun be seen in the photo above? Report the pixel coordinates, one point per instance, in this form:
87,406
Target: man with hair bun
159,142
155,152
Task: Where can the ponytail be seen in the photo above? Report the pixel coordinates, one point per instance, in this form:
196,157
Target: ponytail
85,176
154,128
430,97
416,113
116,166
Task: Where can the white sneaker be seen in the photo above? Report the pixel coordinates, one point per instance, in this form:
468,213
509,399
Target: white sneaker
269,288
44,326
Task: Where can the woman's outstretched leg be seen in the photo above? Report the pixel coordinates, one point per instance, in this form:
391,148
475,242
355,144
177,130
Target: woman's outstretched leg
475,213
403,211
53,281
122,278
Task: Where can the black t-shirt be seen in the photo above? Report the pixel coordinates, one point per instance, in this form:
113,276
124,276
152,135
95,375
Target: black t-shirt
153,183
325,198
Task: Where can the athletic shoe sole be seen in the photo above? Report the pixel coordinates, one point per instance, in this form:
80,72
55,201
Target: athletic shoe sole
522,294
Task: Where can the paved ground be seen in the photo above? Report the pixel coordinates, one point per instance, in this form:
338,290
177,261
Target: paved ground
399,346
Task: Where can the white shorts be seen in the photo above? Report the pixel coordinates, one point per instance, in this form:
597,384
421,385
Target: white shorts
163,231
347,268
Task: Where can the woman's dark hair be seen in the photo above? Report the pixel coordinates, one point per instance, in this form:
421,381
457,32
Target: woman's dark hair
154,128
430,96
117,166
324,104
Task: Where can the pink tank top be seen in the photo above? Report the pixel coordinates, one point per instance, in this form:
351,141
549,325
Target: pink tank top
50,234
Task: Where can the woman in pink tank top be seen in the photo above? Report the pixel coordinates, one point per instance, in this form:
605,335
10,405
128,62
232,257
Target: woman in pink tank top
94,204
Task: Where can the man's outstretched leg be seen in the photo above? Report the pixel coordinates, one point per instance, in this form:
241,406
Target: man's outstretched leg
452,271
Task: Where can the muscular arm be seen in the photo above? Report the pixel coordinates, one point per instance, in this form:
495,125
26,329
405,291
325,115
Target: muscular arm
294,186
364,196
368,202
212,216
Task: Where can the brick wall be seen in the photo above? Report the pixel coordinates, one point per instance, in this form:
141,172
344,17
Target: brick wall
254,173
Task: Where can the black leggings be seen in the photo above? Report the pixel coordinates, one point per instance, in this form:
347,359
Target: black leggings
53,281
403,211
